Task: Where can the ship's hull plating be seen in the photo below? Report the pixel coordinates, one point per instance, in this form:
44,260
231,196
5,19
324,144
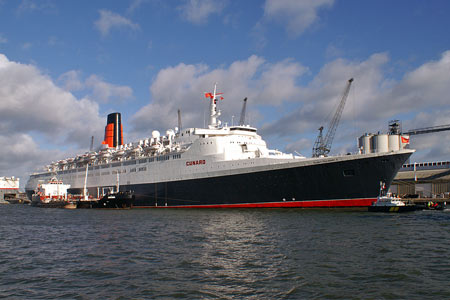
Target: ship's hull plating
347,183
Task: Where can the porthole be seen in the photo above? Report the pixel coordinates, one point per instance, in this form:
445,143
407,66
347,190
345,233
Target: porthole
349,173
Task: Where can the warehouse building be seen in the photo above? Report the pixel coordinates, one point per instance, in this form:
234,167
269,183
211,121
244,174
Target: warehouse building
427,180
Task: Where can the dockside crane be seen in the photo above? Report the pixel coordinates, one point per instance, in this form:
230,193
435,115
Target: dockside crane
322,146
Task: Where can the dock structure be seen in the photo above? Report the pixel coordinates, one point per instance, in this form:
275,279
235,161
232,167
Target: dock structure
421,181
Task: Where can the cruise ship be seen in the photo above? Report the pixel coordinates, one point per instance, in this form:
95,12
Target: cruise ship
223,166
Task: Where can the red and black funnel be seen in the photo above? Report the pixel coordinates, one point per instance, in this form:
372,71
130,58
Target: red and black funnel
113,131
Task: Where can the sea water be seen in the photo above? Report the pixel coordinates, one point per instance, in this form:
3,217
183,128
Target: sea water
223,254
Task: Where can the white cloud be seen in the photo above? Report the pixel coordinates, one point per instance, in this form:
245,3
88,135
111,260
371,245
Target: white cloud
182,87
333,51
296,15
98,89
23,156
33,107
259,36
135,4
198,11
427,84
54,41
421,97
27,5
26,46
71,81
301,145
3,40
431,147
278,82
323,93
109,20
32,6
104,91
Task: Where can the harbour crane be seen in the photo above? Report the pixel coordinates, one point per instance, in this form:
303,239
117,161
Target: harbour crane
322,146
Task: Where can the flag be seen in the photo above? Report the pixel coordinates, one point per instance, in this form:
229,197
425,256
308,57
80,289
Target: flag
405,140
210,95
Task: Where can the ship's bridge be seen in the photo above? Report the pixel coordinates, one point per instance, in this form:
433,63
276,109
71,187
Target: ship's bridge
226,143
233,130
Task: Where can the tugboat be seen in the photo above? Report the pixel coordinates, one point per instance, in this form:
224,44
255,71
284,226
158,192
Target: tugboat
115,200
53,194
386,202
118,200
111,199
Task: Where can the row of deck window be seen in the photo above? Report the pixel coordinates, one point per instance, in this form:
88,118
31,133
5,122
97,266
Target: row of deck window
428,164
116,164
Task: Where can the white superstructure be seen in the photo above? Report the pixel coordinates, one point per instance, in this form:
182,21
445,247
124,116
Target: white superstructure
173,156
9,183
53,190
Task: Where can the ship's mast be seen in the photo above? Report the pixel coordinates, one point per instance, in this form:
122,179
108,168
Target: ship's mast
214,113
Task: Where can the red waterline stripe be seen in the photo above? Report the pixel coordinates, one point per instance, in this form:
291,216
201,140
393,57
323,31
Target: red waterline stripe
307,204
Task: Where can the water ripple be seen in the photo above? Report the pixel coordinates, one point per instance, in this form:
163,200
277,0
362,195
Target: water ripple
222,254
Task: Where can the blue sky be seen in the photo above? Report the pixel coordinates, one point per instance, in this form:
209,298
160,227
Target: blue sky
64,65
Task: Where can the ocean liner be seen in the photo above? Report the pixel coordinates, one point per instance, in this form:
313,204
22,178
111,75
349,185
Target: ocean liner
226,166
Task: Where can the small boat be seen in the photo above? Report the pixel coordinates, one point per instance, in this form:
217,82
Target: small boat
436,205
52,194
386,202
110,199
122,200
389,203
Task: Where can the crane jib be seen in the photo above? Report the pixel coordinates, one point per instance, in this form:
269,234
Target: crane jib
322,146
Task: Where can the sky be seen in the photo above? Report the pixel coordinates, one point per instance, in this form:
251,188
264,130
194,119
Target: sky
65,65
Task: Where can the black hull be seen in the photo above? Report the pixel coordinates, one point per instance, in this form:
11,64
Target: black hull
354,182
120,200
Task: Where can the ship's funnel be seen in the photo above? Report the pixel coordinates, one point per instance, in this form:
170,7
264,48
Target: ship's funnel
113,131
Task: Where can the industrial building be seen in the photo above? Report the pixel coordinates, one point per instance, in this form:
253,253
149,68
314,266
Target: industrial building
427,180
422,180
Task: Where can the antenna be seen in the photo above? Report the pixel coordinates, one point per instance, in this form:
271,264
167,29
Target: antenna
179,120
244,106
